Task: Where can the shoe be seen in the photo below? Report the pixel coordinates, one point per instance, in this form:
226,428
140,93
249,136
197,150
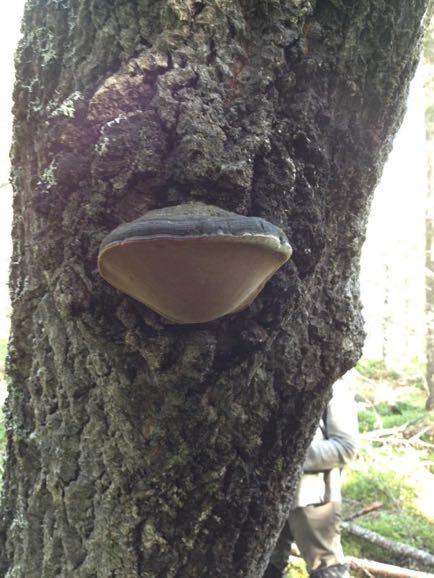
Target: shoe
273,572
335,571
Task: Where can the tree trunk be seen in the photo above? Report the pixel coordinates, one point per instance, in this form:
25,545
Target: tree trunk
387,318
429,279
429,225
137,447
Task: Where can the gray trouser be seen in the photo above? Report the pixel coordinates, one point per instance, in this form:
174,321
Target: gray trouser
317,532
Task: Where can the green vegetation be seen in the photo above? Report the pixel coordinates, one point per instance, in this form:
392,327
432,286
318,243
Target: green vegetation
375,369
389,416
401,518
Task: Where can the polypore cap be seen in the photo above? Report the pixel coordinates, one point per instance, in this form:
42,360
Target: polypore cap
193,263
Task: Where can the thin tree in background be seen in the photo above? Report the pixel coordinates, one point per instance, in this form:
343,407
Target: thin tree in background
386,317
140,448
429,220
429,279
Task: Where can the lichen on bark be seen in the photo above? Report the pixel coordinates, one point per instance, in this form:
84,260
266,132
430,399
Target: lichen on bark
137,447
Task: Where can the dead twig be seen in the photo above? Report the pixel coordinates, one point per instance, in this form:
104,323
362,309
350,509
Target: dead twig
366,510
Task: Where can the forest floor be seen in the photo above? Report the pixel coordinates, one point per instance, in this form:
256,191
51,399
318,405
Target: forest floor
393,472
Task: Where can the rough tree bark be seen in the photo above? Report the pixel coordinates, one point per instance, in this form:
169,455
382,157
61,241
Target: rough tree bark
141,448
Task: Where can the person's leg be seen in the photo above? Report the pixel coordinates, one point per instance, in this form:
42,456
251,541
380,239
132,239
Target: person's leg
317,533
280,555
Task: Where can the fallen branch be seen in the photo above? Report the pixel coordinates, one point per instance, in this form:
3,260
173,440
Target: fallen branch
397,548
366,510
379,569
393,441
419,434
384,432
373,568
421,444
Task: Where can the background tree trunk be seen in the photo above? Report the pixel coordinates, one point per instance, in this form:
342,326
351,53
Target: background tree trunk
429,221
141,448
429,279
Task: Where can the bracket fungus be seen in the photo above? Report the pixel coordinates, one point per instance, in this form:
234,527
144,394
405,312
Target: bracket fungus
193,263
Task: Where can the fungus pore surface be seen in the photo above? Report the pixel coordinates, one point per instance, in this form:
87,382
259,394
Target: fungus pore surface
193,263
